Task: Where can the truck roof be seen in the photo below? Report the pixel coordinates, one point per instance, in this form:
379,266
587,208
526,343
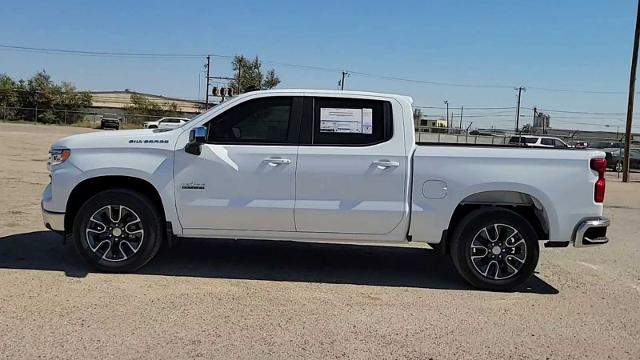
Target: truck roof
340,93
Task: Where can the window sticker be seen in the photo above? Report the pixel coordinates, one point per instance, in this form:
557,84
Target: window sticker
351,121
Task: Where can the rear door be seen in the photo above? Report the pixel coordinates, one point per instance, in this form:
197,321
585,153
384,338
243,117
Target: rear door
352,167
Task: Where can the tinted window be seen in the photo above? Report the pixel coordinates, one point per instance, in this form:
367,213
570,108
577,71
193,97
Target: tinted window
338,121
523,140
259,121
547,142
559,144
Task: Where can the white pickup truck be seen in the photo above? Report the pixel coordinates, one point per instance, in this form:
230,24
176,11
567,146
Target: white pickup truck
322,166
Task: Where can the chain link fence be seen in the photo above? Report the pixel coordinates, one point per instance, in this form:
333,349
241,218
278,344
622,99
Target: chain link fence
88,118
495,136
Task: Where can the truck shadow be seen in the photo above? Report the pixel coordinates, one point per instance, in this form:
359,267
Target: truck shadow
263,260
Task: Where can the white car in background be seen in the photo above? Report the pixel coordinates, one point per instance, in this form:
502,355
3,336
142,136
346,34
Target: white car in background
166,123
539,141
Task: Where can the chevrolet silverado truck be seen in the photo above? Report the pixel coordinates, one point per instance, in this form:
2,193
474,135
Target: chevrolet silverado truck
322,166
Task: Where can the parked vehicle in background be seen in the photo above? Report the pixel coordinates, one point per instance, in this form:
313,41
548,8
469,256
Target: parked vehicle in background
580,144
615,159
326,166
166,123
538,141
110,122
607,144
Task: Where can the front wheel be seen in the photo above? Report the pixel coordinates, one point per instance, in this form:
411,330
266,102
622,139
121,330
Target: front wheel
619,166
495,249
118,230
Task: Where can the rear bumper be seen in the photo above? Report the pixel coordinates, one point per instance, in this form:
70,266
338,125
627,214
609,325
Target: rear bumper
590,232
53,220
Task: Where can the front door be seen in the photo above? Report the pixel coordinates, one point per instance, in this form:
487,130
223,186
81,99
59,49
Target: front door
244,178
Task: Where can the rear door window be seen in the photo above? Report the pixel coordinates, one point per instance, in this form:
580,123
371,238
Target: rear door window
350,122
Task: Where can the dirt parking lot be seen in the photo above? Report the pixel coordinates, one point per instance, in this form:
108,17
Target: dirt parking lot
252,299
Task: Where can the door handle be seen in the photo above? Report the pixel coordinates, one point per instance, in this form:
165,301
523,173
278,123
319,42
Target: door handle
385,164
277,161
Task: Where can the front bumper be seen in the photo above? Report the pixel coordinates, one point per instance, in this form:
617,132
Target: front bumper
53,220
591,231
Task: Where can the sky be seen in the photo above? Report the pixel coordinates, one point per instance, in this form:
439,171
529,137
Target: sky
488,46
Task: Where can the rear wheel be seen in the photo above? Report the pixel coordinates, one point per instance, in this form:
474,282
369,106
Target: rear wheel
495,249
118,230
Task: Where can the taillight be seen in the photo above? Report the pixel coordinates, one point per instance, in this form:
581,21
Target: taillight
600,166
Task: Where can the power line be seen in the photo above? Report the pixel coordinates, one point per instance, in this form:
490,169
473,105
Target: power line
104,53
285,64
601,92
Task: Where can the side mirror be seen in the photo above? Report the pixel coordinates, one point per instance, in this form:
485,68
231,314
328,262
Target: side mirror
197,137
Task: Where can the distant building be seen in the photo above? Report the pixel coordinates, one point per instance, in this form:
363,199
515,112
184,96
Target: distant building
542,121
432,125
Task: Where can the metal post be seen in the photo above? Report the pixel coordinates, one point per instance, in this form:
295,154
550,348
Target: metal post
518,109
206,98
36,118
632,87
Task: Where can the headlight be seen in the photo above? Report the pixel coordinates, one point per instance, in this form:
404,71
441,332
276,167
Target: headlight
58,156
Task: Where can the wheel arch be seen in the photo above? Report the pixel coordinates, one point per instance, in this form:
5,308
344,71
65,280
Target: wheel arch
91,186
526,205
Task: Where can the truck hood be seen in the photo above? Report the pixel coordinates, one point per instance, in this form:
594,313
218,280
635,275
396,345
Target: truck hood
159,138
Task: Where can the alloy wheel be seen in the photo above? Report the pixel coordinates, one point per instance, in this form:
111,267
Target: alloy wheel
114,233
498,251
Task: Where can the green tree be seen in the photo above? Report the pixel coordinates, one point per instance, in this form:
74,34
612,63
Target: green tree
250,76
144,109
54,103
8,97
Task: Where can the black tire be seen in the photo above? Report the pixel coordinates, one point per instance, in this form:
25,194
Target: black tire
130,205
619,166
499,223
153,127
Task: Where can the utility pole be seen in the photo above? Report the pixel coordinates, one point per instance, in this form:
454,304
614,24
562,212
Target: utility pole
518,108
461,111
632,90
446,102
344,74
206,97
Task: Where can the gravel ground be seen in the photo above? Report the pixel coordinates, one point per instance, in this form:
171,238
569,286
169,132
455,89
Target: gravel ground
252,299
